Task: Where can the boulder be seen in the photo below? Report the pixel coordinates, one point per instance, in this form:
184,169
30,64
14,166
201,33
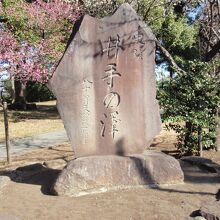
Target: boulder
96,174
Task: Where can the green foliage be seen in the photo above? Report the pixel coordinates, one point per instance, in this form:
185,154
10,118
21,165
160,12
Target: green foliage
190,102
178,34
179,38
37,92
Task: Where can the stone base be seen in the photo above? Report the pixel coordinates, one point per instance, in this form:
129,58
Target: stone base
94,174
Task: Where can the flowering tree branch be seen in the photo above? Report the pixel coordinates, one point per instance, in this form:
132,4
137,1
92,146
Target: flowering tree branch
33,37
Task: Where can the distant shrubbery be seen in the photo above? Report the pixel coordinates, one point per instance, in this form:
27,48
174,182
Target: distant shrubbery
37,92
190,103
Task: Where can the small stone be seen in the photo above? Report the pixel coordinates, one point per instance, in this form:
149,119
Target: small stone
55,164
201,215
199,218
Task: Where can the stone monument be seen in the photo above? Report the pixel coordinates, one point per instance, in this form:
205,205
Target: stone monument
106,96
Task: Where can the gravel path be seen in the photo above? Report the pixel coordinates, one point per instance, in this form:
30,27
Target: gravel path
21,145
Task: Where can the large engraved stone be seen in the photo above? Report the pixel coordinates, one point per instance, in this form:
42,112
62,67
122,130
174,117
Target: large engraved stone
105,85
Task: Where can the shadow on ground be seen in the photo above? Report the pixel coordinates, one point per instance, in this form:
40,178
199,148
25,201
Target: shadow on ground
42,112
35,174
198,175
194,175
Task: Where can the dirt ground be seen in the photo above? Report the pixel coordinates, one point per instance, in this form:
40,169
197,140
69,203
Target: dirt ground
29,123
28,198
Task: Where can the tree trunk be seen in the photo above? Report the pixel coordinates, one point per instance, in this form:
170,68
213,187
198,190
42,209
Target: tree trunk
12,88
217,130
18,96
20,92
19,101
200,147
188,133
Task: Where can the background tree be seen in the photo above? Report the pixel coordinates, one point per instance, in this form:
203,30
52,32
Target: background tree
190,102
210,45
33,39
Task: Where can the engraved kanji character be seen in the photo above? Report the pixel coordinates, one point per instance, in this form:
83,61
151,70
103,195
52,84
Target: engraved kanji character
103,126
139,38
86,84
114,44
112,100
111,73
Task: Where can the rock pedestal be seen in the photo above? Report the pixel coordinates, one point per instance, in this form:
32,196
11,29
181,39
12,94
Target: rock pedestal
96,174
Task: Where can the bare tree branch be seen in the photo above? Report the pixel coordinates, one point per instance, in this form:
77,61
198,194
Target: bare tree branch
170,59
216,34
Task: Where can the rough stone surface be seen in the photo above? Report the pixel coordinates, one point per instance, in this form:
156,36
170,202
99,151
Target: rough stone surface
4,180
102,173
105,85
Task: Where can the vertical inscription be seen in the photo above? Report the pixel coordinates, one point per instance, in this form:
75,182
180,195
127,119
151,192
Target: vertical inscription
86,86
115,120
139,38
111,101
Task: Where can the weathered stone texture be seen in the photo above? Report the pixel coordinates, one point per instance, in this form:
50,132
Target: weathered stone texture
105,86
101,173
